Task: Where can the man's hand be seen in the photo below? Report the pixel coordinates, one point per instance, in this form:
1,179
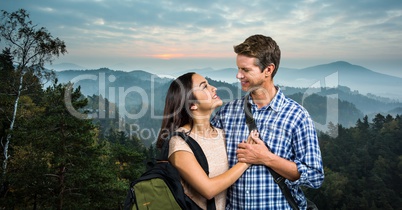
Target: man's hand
253,151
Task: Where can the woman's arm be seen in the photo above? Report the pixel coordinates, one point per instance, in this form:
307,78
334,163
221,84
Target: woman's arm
192,173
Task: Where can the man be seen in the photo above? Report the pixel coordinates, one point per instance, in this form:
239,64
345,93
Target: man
289,142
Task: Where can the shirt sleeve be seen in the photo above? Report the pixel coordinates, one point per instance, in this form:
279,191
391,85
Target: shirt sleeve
308,157
176,143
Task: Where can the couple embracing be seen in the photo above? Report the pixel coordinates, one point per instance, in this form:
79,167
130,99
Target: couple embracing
240,159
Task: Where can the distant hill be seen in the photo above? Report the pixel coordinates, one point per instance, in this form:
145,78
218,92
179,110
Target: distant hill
105,81
342,73
368,104
345,74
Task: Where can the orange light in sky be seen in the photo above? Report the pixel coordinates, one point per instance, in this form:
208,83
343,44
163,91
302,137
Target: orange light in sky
168,56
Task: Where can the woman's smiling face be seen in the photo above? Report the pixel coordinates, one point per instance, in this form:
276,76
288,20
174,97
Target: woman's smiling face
205,93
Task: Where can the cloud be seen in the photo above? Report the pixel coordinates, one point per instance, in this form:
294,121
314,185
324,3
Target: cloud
309,29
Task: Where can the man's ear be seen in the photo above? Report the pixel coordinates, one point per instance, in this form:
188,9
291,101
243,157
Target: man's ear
269,69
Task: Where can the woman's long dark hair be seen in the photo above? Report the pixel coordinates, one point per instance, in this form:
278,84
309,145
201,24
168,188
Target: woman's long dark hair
177,113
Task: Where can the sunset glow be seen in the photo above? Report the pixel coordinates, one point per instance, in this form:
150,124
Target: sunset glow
168,56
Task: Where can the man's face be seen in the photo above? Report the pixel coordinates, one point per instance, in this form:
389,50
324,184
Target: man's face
249,75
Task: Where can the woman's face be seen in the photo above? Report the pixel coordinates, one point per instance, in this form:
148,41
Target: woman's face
206,96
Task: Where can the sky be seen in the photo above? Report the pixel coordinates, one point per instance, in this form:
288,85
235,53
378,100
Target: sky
178,35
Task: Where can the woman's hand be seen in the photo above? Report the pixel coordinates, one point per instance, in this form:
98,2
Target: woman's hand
253,137
254,151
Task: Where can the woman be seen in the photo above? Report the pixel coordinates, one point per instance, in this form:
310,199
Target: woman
190,101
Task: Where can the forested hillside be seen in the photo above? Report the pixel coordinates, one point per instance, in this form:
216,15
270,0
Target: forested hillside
59,161
363,166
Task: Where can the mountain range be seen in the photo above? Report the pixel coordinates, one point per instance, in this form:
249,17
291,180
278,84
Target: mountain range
356,84
357,78
342,73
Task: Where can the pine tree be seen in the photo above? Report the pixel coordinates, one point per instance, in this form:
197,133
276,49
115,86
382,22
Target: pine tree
66,164
30,48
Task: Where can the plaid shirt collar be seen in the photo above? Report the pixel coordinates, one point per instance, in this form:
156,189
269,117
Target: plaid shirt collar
275,104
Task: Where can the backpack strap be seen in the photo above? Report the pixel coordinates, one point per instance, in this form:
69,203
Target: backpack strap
198,153
277,177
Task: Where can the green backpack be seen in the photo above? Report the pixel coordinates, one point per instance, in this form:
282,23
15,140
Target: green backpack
159,188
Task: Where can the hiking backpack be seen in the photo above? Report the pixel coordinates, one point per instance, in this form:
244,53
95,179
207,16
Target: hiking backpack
159,188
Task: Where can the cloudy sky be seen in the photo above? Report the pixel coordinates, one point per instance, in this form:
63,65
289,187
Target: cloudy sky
176,35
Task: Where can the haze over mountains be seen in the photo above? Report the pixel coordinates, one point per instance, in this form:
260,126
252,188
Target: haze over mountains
342,73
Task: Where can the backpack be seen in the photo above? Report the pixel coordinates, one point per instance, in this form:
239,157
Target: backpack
160,187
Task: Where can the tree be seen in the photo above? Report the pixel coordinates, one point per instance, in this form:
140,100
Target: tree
128,154
58,161
378,121
30,48
362,166
6,85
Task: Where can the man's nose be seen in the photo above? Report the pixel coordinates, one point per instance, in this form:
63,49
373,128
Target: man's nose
239,75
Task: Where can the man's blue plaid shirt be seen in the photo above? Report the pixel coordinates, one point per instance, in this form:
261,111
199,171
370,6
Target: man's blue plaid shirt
288,130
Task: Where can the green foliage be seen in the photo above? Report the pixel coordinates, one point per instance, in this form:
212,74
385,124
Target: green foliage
104,114
29,46
127,155
59,161
363,166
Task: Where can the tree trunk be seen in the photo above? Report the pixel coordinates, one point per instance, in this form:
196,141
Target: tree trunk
8,138
62,189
